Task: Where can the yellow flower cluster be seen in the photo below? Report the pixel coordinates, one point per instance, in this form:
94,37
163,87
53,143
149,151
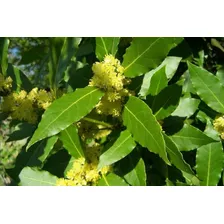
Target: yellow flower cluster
25,106
83,173
219,125
88,130
5,85
108,75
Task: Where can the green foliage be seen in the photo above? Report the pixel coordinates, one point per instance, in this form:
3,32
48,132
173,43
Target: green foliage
33,177
112,180
147,53
210,161
165,102
60,59
156,120
208,87
121,148
132,169
139,120
4,44
65,111
170,64
189,138
106,45
71,141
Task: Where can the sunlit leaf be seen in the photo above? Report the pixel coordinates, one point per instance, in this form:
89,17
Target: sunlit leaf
175,156
189,138
105,46
4,44
146,53
65,111
209,163
33,177
112,180
71,141
140,121
121,148
208,87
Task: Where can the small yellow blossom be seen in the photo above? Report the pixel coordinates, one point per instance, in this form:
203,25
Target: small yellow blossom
83,173
33,94
5,84
109,108
219,125
108,75
44,99
8,102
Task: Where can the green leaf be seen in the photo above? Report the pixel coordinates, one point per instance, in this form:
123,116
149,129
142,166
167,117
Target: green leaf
4,45
69,165
158,82
47,149
187,86
191,179
210,131
33,177
169,182
165,102
189,138
41,151
146,53
137,176
139,120
171,64
208,87
153,82
220,75
65,111
121,148
20,80
59,63
112,180
132,169
186,107
106,45
71,141
209,163
175,156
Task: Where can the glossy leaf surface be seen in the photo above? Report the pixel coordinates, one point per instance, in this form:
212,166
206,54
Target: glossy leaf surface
209,163
140,121
33,177
112,180
65,111
146,53
121,148
105,46
71,141
208,87
171,64
189,138
175,156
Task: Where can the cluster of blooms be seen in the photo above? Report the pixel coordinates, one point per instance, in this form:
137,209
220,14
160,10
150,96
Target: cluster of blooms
108,75
88,130
5,85
219,125
84,172
27,106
